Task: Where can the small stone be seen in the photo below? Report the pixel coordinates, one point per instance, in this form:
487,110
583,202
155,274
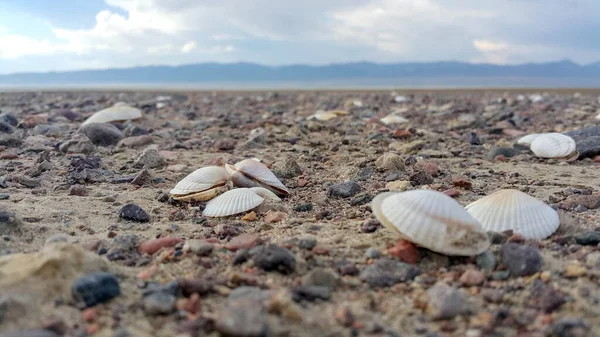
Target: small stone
461,181
592,260
386,272
95,288
8,156
406,148
79,143
150,159
428,166
250,216
320,277
500,275
580,209
588,238
244,314
102,134
274,258
310,293
28,182
545,297
320,250
390,161
142,178
346,268
152,246
372,253
452,193
472,277
194,286
159,303
521,260
137,141
486,261
344,190
225,144
506,152
344,316
198,247
89,314
307,243
177,168
405,251
273,217
401,134
588,201
493,295
286,169
474,139
133,212
421,178
569,327
575,270
304,208
446,302
497,238
78,190
398,185
9,222
244,241
4,196
370,226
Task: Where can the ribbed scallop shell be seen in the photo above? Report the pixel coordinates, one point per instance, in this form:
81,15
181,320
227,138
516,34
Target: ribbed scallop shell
115,113
201,180
255,170
527,140
512,209
265,193
553,145
393,119
432,220
232,202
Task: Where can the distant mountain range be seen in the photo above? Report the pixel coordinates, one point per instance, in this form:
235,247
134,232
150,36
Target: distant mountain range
250,72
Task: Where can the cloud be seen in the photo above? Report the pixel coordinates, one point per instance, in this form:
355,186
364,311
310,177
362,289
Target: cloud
188,47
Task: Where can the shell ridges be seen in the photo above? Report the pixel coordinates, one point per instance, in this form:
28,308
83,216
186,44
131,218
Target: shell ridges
232,202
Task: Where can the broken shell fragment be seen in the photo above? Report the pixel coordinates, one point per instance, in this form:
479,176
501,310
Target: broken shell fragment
327,115
432,220
117,112
393,119
233,202
265,193
252,173
514,210
203,184
553,145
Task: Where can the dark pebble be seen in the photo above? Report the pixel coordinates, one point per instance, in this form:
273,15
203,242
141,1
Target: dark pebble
474,139
486,261
307,243
102,134
304,208
370,226
274,258
78,190
311,293
502,151
343,190
364,199
95,288
244,314
521,260
497,238
587,140
191,286
569,327
171,288
421,178
386,272
4,196
346,268
588,238
159,303
134,212
545,297
446,302
241,256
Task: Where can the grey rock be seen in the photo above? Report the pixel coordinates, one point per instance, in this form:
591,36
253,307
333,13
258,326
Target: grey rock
4,196
198,247
486,261
580,209
446,302
78,190
6,128
10,141
385,272
9,222
497,238
421,178
244,314
307,243
274,258
9,119
50,130
286,169
521,260
587,141
137,141
310,293
159,303
502,151
590,238
569,327
95,288
372,253
133,212
150,159
171,288
344,190
592,260
320,277
500,275
142,178
102,134
79,143
390,161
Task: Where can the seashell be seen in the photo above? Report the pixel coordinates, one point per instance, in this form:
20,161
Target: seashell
553,145
393,119
327,115
232,202
252,173
432,220
118,112
527,140
202,184
598,117
265,193
512,209
400,99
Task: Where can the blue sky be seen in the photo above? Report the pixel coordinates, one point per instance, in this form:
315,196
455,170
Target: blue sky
42,35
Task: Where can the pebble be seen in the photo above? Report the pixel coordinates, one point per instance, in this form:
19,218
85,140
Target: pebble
133,212
405,251
587,140
346,268
385,272
588,238
310,293
452,193
320,277
461,181
398,186
225,144
575,200
198,247
446,302
243,241
372,253
574,270
102,134
506,152
344,190
78,190
95,288
142,178
303,208
421,178
273,217
177,168
4,196
286,169
152,246
545,297
194,286
521,260
159,303
150,159
274,258
136,141
500,275
592,260
406,148
370,226
497,238
486,261
6,128
428,166
472,277
9,222
569,327
28,182
244,314
390,161
307,243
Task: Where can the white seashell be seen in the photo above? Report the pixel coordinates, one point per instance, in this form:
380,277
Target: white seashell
357,103
327,115
432,220
393,119
526,140
598,117
400,99
232,202
252,173
205,179
265,193
512,209
115,113
553,145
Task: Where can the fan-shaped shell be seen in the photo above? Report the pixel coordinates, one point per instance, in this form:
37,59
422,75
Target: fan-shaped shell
432,220
512,209
232,202
553,145
255,170
265,193
527,140
201,180
120,112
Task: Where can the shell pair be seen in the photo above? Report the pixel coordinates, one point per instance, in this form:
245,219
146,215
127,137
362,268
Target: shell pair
117,112
550,145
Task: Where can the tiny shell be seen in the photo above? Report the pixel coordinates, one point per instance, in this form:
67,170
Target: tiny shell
553,145
203,184
432,220
517,211
118,112
252,173
527,140
393,119
233,202
327,115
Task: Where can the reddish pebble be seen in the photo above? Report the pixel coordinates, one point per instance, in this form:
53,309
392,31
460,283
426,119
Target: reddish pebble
472,277
427,166
461,181
501,157
453,193
344,316
275,217
320,250
244,241
513,132
9,155
92,329
152,246
2,148
112,234
215,162
193,304
597,159
405,251
89,314
401,134
212,240
302,182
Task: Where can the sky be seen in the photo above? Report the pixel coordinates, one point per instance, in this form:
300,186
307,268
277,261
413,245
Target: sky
58,35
